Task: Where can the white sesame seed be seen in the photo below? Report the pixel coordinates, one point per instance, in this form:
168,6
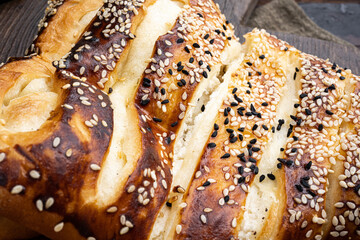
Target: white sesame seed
17,189
56,142
124,230
68,106
68,153
59,227
207,210
49,202
2,156
39,205
66,86
203,218
178,229
233,223
112,209
163,182
34,174
95,167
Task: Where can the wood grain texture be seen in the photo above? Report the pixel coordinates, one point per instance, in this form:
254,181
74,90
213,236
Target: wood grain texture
19,19
238,11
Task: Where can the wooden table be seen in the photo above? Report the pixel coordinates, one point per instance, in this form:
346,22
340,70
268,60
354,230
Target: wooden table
19,20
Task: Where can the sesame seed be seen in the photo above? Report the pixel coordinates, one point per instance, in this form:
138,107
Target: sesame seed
39,205
2,157
34,174
59,227
95,167
68,153
49,202
124,230
178,229
112,209
233,223
56,142
271,176
17,189
203,219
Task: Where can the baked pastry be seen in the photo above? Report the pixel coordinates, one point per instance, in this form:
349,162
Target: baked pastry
51,43
158,124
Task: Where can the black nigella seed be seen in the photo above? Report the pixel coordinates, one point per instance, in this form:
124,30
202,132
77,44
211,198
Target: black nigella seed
214,134
308,166
271,176
253,141
207,183
211,145
329,112
262,178
299,187
303,95
196,45
229,130
157,119
144,102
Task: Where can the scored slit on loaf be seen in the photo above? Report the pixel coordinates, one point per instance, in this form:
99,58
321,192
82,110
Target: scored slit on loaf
158,124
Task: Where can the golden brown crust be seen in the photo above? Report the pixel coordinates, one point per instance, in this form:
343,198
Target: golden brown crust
311,149
65,157
52,41
215,205
182,58
50,178
344,222
63,152
104,44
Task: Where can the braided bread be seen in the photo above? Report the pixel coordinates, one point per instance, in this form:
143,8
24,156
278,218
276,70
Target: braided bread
147,119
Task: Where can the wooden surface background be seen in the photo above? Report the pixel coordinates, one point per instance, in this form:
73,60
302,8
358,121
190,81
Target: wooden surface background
19,18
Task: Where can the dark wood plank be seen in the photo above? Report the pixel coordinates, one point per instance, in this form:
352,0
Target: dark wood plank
342,20
19,19
261,2
239,11
346,57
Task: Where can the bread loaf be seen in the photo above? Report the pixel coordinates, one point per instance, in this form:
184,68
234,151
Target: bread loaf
156,123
